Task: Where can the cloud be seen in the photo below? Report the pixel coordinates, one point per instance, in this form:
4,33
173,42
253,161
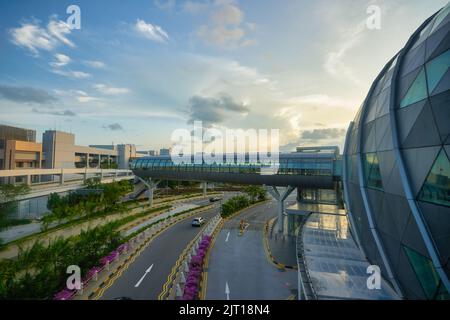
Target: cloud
150,31
26,95
195,7
213,110
95,64
226,28
166,5
323,134
83,97
334,63
61,60
72,74
107,90
331,136
65,113
113,127
34,38
58,30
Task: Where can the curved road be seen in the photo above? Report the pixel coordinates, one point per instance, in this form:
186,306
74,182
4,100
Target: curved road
145,277
238,266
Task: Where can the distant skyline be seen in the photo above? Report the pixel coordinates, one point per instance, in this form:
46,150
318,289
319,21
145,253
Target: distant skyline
138,70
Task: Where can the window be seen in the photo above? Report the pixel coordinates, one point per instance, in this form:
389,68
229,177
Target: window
436,188
417,91
372,171
426,274
440,17
436,69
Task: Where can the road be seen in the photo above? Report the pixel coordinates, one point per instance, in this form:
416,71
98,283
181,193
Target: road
145,277
238,266
162,254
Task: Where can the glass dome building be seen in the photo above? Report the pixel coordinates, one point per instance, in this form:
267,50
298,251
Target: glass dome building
396,169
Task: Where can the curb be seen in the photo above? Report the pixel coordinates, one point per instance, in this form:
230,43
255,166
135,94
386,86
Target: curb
204,276
269,255
169,282
109,281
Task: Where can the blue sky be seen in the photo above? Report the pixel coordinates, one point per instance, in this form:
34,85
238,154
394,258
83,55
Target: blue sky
138,70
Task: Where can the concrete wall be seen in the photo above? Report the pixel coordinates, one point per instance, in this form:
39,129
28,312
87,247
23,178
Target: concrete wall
59,149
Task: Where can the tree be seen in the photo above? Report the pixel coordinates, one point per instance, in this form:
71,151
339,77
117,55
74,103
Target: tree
8,204
255,193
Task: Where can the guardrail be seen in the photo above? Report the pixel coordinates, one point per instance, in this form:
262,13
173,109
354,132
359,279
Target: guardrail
175,286
304,278
124,252
38,172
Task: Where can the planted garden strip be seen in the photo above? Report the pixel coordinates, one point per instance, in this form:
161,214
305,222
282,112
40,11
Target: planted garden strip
144,244
204,276
177,278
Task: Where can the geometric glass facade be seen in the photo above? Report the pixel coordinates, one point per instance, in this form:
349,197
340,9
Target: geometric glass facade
436,188
426,274
397,168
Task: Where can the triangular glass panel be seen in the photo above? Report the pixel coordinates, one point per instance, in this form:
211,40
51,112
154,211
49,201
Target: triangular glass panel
417,91
436,69
372,171
436,188
440,17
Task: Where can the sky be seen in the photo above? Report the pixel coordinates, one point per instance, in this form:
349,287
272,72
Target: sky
138,70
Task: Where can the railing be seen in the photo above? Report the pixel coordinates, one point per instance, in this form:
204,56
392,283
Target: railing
124,250
38,172
304,278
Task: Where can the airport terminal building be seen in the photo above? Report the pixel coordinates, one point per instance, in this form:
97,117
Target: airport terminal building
397,169
395,173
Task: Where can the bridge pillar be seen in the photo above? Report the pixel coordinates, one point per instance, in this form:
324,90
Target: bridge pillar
204,185
280,197
151,186
61,177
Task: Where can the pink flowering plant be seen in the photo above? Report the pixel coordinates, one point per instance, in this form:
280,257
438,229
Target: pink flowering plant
192,285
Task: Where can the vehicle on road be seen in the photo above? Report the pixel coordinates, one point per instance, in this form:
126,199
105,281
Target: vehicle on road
198,222
214,199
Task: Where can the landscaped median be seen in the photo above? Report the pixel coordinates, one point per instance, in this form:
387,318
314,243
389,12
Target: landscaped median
188,278
184,280
133,245
40,270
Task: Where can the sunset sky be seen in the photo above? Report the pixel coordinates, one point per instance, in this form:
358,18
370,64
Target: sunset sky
138,70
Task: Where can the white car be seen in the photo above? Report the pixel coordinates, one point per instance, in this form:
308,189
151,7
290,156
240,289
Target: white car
198,222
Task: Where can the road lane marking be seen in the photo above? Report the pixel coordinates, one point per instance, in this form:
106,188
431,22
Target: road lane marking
142,278
228,235
136,254
227,290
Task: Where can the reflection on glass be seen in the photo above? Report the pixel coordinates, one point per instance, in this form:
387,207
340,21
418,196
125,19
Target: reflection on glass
436,188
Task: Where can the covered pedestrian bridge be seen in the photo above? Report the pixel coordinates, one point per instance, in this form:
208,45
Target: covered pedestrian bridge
308,168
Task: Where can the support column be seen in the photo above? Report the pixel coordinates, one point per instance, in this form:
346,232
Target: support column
61,177
280,203
204,185
151,186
